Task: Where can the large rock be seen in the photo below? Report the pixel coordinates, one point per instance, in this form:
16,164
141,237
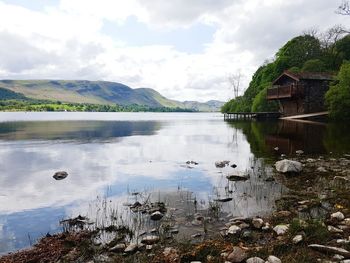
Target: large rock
131,248
237,255
288,166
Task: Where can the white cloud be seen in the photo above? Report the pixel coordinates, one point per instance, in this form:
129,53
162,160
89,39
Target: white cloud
67,41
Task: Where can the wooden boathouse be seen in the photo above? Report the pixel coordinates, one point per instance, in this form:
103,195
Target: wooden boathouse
300,93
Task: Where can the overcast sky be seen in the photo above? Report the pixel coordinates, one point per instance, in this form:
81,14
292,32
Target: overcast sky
185,49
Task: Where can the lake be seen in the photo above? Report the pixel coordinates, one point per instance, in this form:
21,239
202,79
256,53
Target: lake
110,156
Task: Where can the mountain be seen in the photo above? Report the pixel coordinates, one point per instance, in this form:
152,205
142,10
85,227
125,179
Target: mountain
95,92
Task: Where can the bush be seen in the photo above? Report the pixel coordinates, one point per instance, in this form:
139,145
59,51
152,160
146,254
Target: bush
338,96
260,103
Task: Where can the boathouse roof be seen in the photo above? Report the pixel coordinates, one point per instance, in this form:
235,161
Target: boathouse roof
304,75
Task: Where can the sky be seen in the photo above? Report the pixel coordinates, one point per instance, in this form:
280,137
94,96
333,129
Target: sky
185,49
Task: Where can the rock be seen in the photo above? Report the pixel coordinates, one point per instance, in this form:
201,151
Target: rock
234,177
345,261
60,175
288,166
118,248
257,222
246,234
346,221
233,230
321,169
273,259
266,227
223,200
150,240
149,247
282,213
343,241
338,216
221,164
281,229
197,235
333,229
297,239
233,165
338,257
333,250
276,149
310,160
237,255
255,260
131,248
156,216
299,152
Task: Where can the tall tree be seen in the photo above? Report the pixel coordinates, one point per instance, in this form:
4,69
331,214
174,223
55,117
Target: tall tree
344,8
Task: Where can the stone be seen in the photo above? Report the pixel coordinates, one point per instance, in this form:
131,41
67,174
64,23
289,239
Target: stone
338,257
338,216
60,175
150,240
221,164
257,223
310,160
328,249
288,166
281,229
156,216
333,229
255,260
321,169
345,261
299,152
237,255
131,248
266,227
297,239
233,230
273,259
197,235
118,248
346,221
283,213
234,177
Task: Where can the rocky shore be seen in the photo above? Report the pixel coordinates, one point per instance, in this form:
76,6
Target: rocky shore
311,224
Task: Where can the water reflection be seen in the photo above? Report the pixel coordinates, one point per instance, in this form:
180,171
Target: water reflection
144,153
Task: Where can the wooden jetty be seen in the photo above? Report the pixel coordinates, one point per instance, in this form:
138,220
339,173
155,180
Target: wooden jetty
231,116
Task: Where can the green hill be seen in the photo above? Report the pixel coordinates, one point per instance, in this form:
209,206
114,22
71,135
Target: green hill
93,92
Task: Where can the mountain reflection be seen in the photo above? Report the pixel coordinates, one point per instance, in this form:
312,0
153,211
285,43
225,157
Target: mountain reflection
76,130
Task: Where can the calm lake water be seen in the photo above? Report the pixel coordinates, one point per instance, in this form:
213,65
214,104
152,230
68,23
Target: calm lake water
110,155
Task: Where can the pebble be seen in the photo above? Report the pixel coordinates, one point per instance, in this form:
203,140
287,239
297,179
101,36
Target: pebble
281,229
297,239
233,230
255,260
273,259
333,229
237,255
338,216
257,222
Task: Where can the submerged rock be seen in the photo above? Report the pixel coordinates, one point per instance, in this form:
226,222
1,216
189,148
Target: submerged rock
221,164
60,175
288,166
156,216
234,177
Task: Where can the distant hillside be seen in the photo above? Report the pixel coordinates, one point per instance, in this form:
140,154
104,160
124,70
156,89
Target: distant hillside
94,92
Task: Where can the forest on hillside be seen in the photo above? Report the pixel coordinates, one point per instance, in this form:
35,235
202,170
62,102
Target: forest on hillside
310,52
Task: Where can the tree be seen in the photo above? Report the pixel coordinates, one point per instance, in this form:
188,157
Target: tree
344,8
260,103
235,81
314,65
338,96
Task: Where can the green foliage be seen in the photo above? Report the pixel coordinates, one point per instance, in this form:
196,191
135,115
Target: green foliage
260,103
41,105
338,96
314,65
302,53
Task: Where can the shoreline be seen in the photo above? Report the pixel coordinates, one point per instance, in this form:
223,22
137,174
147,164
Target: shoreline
316,210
